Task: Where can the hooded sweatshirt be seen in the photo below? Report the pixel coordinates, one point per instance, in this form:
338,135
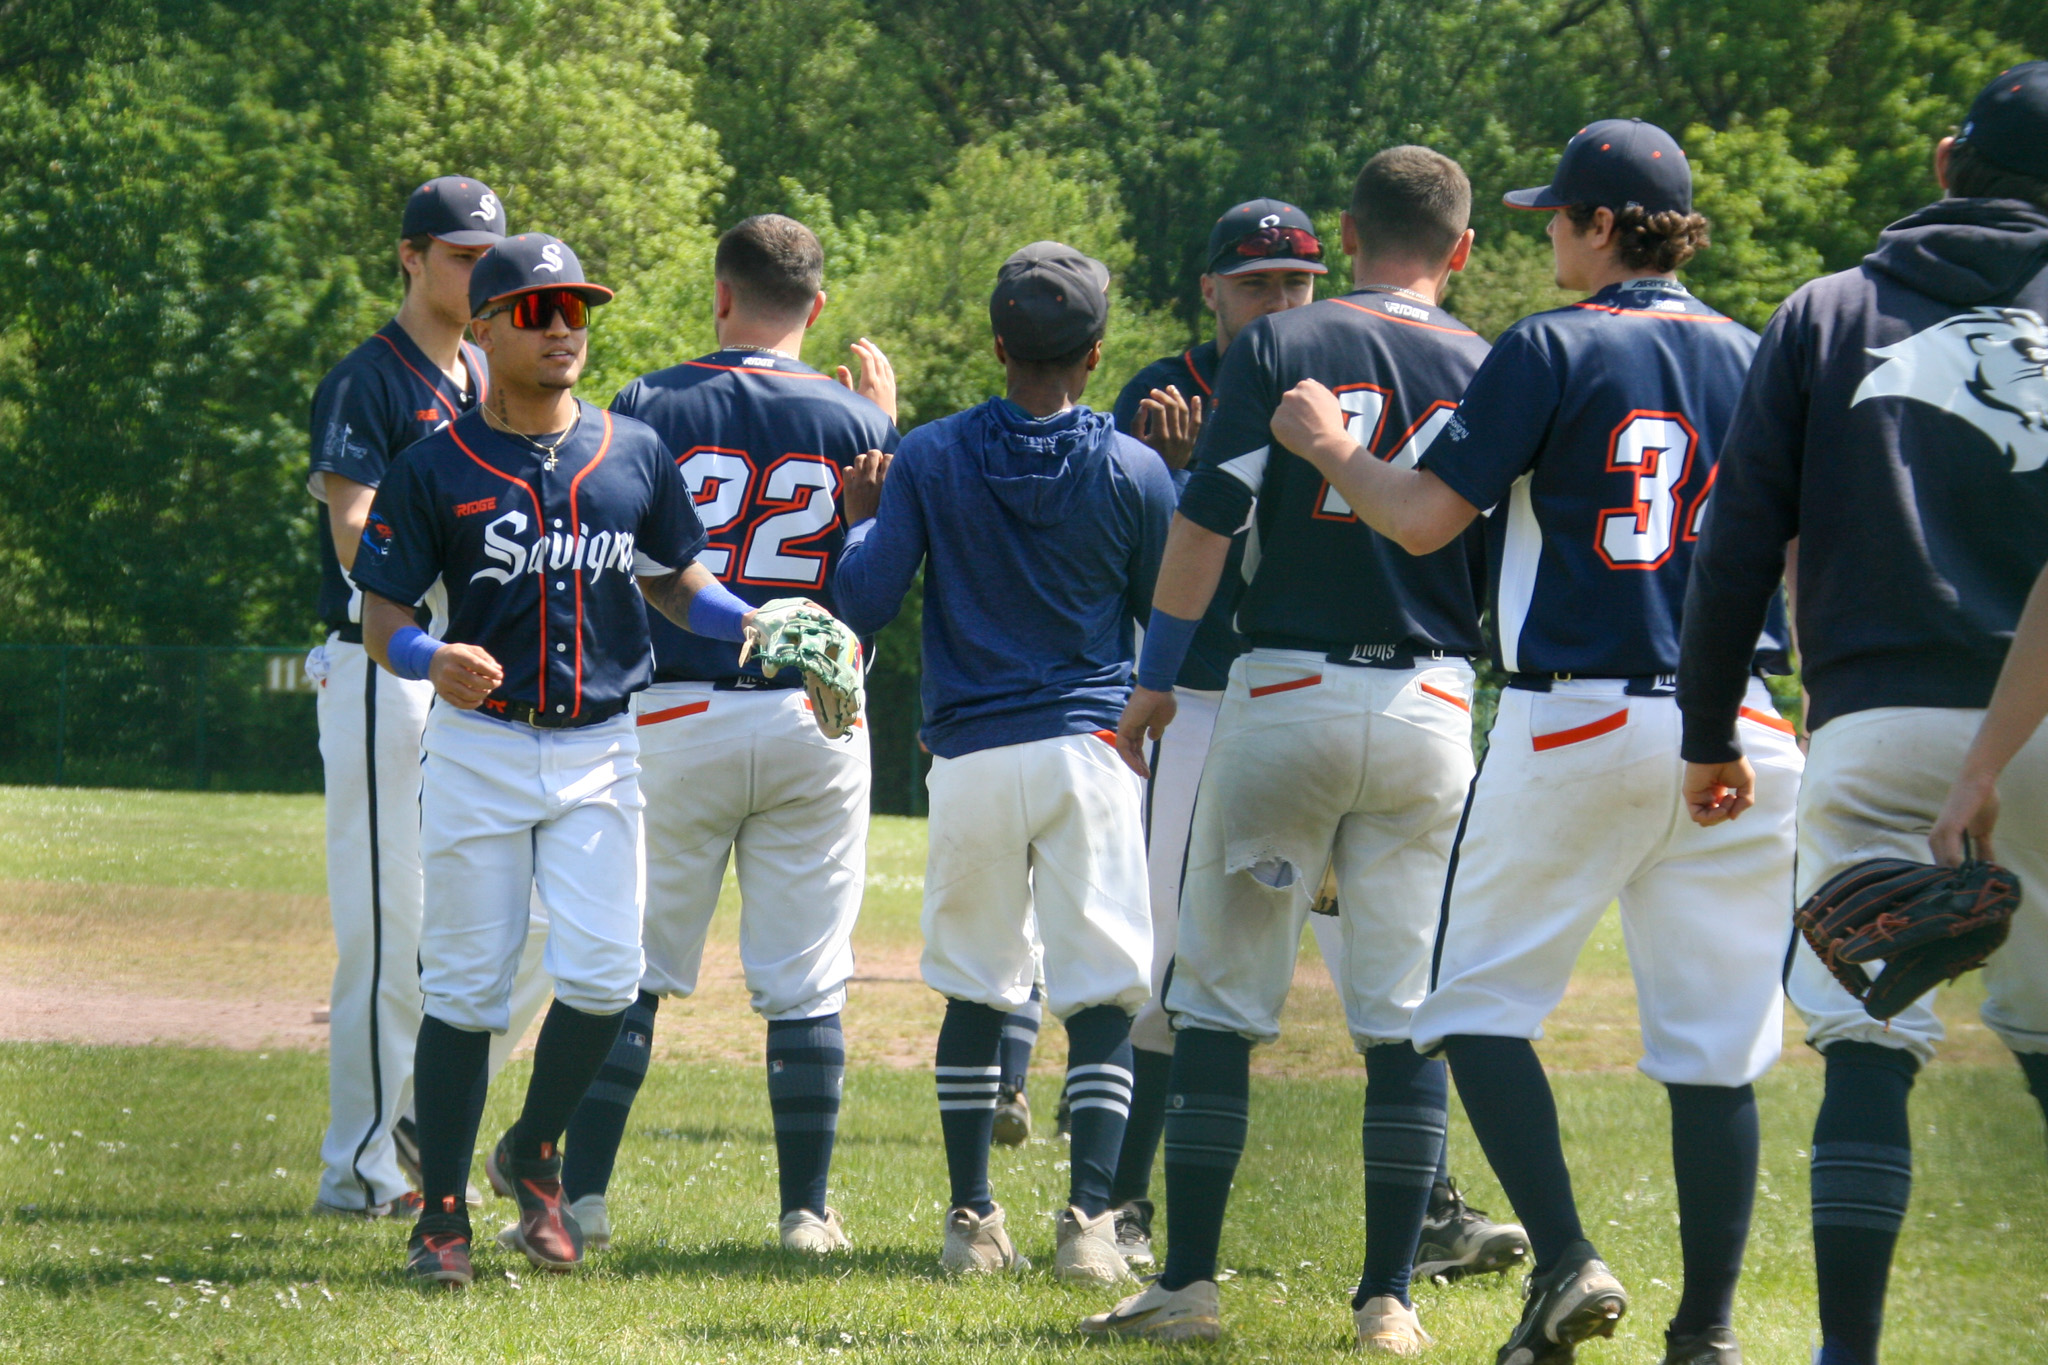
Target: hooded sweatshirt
1040,540
1895,422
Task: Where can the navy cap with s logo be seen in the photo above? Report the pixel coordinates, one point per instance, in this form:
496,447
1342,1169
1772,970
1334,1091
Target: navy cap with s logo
2008,120
1613,164
522,264
1264,234
457,209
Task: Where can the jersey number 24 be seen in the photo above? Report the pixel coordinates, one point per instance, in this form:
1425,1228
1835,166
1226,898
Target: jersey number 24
797,505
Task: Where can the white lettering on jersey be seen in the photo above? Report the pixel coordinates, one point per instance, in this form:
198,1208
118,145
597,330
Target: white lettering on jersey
550,259
1988,366
1655,448
1406,310
581,552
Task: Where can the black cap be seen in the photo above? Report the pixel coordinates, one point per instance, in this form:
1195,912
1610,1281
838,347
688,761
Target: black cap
522,264
2008,121
456,209
1050,301
1613,164
1264,234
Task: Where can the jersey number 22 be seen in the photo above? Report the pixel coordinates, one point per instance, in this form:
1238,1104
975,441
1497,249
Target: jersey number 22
798,504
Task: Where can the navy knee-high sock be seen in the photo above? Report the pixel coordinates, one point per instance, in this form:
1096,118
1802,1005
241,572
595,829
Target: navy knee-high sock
1714,1156
1150,1071
450,1070
566,1057
1406,1102
1099,1101
970,1041
1020,1036
1862,1182
806,1072
591,1146
1508,1099
2035,1067
1207,1107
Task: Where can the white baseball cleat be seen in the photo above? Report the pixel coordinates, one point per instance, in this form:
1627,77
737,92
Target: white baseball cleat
1187,1314
804,1231
596,1223
978,1245
1087,1252
1390,1327
1134,1231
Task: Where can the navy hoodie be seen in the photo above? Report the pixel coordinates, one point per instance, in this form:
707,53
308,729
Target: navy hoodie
1040,540
1895,422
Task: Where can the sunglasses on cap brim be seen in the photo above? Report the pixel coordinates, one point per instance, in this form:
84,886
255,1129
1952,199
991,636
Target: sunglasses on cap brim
1269,242
532,312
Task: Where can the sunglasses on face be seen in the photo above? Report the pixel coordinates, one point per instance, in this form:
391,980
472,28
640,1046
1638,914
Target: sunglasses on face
1268,242
532,312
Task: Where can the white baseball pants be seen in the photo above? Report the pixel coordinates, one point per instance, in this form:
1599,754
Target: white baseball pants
1875,780
370,723
1314,762
1580,802
747,776
1047,836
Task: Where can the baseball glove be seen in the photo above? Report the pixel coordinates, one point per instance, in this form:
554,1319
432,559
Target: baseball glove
1926,924
794,632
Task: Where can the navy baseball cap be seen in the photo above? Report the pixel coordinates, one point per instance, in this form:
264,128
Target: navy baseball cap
1050,300
1613,164
522,264
1264,234
2008,121
456,209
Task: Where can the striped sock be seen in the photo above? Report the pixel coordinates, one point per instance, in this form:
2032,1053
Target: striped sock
591,1146
1862,1181
1208,1102
1406,1096
970,1041
1098,1100
806,1072
1142,1130
1020,1036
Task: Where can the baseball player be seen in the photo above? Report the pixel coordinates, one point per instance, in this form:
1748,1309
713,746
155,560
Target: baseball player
1039,527
1593,432
413,376
732,763
1893,433
534,514
1343,741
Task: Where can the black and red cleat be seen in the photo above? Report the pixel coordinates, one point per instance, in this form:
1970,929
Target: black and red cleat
438,1253
546,1231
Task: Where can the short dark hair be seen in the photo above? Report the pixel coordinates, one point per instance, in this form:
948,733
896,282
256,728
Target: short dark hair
422,242
1059,364
772,263
1972,175
1411,201
1659,242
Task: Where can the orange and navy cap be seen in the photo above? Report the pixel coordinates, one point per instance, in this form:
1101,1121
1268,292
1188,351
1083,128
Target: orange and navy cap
457,209
1616,163
1264,234
523,264
2008,120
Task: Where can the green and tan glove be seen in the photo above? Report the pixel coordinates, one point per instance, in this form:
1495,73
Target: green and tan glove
794,632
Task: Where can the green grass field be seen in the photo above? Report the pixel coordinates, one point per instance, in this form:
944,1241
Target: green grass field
152,1199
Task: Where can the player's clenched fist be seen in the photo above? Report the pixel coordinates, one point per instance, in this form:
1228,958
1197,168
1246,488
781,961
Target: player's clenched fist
861,493
1146,716
1309,422
463,675
1718,792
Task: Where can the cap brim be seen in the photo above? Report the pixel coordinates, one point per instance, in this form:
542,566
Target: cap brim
469,237
1543,197
1262,264
592,293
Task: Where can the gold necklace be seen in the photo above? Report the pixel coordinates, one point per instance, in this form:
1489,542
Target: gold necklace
503,423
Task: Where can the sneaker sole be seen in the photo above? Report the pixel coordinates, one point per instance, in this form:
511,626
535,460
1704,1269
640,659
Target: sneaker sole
1597,1316
440,1279
1503,1253
512,1239
1136,1255
1179,1329
1011,1132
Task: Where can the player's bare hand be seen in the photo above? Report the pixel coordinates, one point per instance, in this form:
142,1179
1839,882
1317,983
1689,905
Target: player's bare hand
1146,716
1169,424
1718,792
877,381
860,493
1309,423
1971,810
463,675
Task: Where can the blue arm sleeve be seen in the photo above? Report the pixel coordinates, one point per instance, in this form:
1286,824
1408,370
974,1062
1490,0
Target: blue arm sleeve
717,613
411,652
1166,648
882,554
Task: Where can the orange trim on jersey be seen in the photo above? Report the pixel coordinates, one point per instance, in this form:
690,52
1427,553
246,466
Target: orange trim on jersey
454,408
575,529
1290,686
756,369
1452,697
673,713
540,521
1406,322
1579,734
1650,313
1778,723
1187,358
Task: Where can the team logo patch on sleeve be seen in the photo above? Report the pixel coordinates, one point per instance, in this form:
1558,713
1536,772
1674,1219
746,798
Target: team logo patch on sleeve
376,534
1988,366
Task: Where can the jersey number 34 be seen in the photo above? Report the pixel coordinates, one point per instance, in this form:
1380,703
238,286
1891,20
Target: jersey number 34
765,517
1655,449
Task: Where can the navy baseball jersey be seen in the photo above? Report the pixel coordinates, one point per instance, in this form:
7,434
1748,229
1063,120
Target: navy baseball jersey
1592,434
382,397
1321,578
538,556
761,441
1216,642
